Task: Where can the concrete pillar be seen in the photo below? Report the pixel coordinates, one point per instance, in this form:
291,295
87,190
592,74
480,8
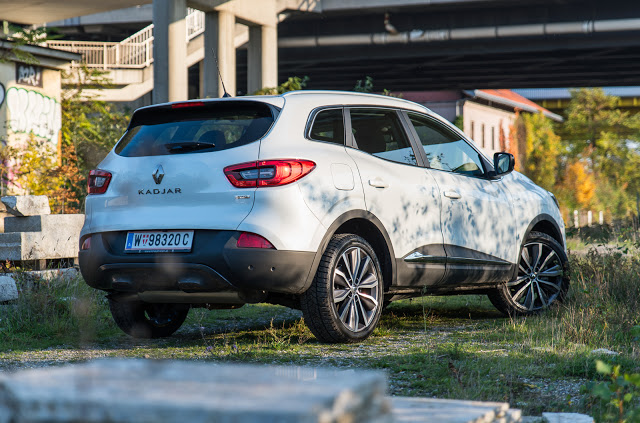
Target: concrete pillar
170,76
601,218
262,58
219,40
576,219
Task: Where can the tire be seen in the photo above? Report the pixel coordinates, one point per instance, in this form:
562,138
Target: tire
542,281
337,309
146,320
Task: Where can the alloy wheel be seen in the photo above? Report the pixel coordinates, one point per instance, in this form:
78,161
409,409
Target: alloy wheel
539,281
356,291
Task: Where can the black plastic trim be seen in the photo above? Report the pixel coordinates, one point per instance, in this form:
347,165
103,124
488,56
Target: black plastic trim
214,264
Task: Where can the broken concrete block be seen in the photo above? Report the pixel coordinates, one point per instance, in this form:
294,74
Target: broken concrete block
176,391
8,289
26,205
71,223
41,237
406,409
566,418
38,245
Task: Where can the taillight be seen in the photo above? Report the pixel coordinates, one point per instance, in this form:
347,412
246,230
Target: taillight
86,244
98,181
268,173
249,240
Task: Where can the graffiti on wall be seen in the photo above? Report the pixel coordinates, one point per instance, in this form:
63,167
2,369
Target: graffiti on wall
28,75
32,112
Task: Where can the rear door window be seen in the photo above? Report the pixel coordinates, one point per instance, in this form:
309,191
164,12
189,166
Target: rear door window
210,127
380,133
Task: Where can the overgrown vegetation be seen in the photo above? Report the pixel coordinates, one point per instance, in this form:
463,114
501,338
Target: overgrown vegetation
618,398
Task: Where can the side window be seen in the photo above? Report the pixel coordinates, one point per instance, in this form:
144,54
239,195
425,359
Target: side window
380,133
328,126
445,149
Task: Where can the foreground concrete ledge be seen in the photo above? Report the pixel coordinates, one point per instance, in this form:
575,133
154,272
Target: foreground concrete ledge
414,410
175,391
566,418
26,205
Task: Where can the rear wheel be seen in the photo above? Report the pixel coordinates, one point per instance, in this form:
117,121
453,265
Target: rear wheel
147,320
542,281
344,302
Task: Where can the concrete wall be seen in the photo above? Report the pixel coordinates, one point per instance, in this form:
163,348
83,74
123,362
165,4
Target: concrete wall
28,109
482,123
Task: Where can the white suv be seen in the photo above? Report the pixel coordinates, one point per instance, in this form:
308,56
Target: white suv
332,202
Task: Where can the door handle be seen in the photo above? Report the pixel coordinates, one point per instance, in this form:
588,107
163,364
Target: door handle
378,183
452,194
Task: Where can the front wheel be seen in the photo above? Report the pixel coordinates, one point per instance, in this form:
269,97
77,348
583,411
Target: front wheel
542,281
147,320
344,302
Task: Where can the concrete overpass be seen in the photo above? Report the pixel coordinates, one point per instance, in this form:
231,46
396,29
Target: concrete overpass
402,44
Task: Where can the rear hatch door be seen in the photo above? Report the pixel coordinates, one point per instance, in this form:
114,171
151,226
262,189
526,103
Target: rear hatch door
168,168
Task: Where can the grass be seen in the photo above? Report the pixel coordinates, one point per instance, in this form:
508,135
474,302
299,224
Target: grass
446,347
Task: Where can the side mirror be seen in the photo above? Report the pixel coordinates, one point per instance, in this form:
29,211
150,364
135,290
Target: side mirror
503,163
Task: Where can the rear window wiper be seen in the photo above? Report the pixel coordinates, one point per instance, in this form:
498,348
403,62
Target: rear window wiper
181,147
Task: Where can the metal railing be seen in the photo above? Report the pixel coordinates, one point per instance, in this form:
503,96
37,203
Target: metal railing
134,52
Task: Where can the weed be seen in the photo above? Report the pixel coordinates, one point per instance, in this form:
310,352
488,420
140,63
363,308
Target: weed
617,399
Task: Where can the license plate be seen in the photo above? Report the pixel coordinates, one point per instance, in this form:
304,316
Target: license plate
158,242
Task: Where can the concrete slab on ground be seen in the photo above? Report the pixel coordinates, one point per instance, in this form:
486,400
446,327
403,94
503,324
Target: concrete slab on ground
8,289
566,418
53,242
26,205
175,391
422,410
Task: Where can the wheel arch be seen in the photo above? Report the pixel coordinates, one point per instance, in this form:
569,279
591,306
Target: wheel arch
369,227
546,224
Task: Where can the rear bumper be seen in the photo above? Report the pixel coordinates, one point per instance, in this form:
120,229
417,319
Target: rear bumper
215,264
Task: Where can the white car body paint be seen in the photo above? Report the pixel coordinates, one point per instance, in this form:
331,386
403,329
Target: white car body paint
491,217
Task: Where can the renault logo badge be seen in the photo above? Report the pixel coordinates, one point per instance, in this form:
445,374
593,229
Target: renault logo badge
158,174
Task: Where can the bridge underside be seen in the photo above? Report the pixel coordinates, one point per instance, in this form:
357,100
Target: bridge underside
541,43
614,61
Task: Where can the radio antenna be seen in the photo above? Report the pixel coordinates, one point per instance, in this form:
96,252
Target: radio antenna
215,57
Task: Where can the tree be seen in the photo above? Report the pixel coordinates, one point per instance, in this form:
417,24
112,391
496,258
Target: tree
605,140
293,83
536,148
90,129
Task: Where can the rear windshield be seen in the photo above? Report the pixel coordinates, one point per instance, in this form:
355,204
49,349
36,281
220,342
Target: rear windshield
211,127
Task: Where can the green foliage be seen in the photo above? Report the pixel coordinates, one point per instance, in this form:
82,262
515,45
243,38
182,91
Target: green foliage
293,83
90,127
459,122
604,139
21,37
542,149
33,166
617,399
366,86
61,308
